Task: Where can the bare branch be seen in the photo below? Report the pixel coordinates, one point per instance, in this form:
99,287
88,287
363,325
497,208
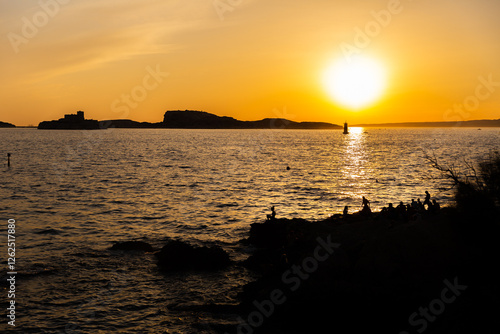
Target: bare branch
450,172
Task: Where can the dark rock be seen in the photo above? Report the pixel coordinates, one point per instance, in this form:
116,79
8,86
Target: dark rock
178,255
278,232
133,246
379,274
6,125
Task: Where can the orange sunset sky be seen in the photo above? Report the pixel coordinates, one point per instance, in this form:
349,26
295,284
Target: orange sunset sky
248,59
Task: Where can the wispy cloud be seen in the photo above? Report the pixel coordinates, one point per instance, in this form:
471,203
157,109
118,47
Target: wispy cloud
88,34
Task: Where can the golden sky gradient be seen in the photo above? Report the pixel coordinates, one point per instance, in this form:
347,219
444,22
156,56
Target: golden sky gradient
247,59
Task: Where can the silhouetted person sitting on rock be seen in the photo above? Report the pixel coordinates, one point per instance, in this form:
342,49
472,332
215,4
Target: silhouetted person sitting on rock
401,208
366,211
414,204
420,206
435,207
410,211
272,216
391,211
388,212
346,209
365,202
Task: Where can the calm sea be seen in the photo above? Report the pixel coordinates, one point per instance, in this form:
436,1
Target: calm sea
73,193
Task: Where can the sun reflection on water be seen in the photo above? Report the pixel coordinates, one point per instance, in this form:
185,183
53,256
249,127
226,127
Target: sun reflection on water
354,166
356,130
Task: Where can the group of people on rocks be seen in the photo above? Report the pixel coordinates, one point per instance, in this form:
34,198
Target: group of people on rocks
415,208
401,211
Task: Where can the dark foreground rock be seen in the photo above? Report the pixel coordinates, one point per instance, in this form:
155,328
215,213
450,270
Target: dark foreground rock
133,246
371,274
178,255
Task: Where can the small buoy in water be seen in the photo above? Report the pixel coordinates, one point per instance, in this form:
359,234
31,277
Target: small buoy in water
287,167
8,159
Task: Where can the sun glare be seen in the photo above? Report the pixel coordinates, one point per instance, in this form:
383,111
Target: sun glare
355,83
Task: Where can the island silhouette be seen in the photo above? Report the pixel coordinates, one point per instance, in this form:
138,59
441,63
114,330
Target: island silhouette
182,119
71,122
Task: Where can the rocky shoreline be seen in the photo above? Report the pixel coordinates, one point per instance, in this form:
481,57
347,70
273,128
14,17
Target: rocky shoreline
358,274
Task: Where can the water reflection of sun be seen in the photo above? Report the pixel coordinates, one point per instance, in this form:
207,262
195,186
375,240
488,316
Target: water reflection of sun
356,130
355,159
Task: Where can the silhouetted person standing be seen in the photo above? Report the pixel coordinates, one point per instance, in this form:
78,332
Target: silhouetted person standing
427,198
346,209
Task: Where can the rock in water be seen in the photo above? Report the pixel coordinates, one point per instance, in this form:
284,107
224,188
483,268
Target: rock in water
178,255
133,246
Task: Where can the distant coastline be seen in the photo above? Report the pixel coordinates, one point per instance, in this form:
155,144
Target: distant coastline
192,119
473,124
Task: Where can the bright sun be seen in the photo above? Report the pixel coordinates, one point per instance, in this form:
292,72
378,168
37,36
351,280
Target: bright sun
356,83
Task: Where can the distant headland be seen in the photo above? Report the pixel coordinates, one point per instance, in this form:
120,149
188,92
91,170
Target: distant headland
203,120
183,119
6,125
